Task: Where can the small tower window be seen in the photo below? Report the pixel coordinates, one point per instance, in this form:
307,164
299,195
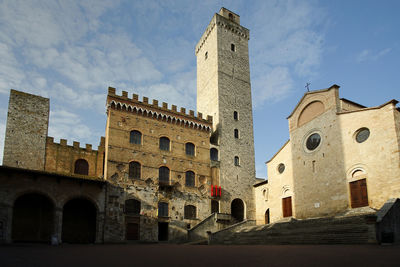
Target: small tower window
135,137
134,170
162,209
235,115
236,132
190,212
237,161
213,154
164,143
189,149
189,179
163,174
206,55
233,47
231,16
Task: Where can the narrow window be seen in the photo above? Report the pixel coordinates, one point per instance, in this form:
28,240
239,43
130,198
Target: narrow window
236,132
206,55
233,47
190,212
236,161
164,143
214,206
162,209
163,174
190,180
134,170
235,115
230,16
214,154
189,149
135,137
132,206
81,167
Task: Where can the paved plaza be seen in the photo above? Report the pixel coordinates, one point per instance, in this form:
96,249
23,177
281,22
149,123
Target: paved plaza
200,255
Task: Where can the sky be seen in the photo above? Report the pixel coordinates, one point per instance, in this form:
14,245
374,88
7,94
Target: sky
72,51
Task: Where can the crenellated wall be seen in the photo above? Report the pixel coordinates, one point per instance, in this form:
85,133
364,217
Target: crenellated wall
153,122
61,157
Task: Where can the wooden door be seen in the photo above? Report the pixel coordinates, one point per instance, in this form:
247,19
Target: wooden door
132,231
287,206
358,193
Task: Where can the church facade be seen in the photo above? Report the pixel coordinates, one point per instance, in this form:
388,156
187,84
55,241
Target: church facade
341,156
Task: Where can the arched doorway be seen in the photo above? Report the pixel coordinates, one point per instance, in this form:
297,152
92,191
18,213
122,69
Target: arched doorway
267,216
32,219
237,209
79,221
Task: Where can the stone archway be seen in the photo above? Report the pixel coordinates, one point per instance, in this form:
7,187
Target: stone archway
237,209
33,218
79,221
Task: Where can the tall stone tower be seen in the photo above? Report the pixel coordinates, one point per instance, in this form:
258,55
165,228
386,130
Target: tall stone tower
224,91
26,132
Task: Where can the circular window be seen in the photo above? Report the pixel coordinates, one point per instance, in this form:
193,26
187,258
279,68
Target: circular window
362,135
313,141
281,168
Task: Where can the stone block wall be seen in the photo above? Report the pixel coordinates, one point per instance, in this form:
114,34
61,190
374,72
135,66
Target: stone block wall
26,131
61,157
154,122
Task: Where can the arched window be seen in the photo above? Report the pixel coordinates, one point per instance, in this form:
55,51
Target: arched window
237,161
236,133
81,167
164,143
132,206
135,137
190,212
213,154
162,209
233,47
163,174
189,147
190,180
134,170
235,115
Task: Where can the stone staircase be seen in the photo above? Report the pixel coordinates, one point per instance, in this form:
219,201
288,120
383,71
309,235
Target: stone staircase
353,229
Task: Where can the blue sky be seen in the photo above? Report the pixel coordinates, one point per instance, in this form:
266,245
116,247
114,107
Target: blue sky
71,51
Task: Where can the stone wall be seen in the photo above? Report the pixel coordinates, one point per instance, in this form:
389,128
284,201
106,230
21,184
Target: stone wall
153,123
26,131
58,189
280,185
224,87
61,157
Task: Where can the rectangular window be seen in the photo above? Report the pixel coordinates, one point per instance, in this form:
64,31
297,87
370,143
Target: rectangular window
162,209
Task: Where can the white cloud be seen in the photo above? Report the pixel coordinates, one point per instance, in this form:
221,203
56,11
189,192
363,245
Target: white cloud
67,125
274,85
368,55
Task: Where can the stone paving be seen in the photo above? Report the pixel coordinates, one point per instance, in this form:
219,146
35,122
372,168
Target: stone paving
187,255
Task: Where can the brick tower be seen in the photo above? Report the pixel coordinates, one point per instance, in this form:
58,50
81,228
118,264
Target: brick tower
224,91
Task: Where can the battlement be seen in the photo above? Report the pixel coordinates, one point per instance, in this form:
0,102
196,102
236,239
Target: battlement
227,20
123,102
75,144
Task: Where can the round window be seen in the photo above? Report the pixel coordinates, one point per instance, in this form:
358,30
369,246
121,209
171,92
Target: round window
281,168
313,141
362,135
